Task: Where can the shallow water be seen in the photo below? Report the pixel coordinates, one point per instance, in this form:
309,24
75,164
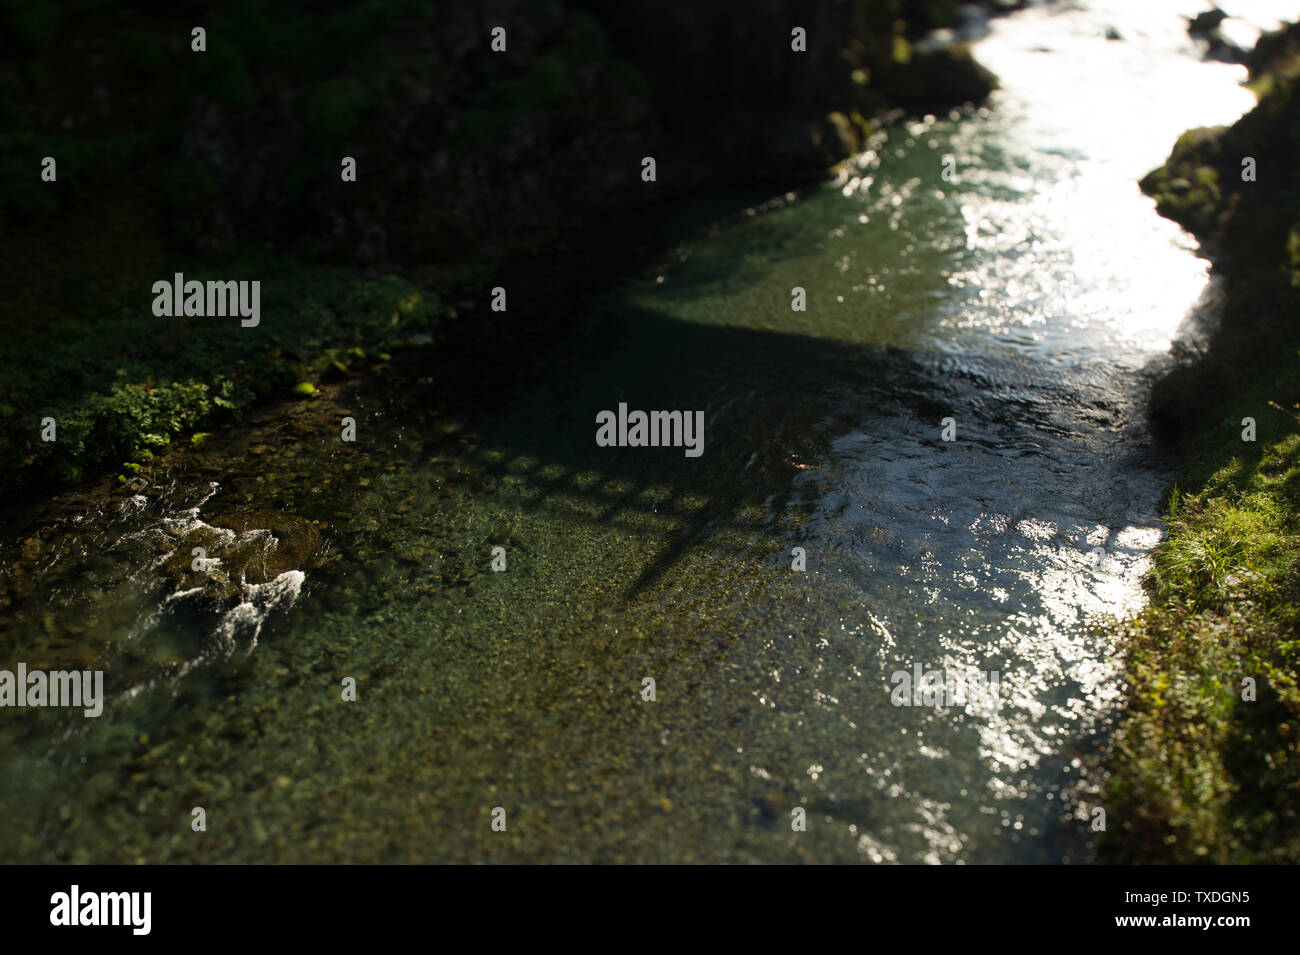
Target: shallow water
1022,300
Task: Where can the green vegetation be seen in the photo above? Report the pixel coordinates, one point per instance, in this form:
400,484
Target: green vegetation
171,160
1202,774
168,377
1199,773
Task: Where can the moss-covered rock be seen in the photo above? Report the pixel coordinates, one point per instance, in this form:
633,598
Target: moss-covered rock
1232,186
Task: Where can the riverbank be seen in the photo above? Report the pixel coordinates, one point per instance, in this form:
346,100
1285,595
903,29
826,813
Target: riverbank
1206,763
474,169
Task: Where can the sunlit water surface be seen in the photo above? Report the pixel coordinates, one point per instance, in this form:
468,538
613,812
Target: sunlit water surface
1022,299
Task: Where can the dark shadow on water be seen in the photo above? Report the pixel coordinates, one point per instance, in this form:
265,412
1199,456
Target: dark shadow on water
771,403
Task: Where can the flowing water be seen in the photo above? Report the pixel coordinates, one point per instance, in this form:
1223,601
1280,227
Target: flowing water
1024,297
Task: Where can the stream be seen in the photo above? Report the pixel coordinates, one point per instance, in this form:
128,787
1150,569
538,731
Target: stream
1029,296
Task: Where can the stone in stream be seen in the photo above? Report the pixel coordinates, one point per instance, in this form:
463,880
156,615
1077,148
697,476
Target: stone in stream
1206,22
456,570
248,546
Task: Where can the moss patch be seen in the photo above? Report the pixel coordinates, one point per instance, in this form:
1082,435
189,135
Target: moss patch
171,376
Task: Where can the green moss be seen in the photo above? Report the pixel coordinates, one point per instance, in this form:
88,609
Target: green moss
171,376
1200,774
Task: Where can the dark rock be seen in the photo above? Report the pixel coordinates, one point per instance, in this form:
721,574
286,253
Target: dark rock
933,79
1204,23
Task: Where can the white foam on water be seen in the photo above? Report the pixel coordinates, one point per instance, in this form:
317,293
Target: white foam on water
243,623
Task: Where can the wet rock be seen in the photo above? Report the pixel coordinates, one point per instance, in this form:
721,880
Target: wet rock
1204,23
298,541
1232,41
1228,40
248,546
